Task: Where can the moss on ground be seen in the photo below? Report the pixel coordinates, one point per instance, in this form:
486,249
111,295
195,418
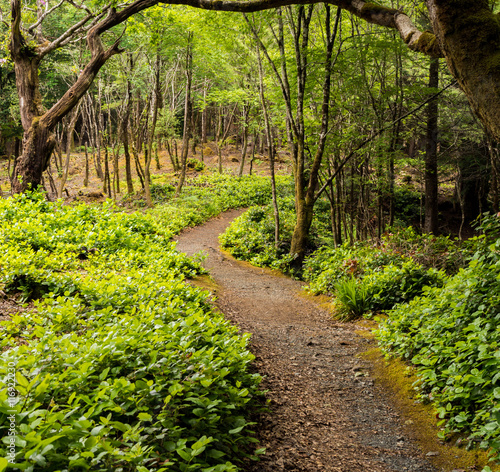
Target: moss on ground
396,377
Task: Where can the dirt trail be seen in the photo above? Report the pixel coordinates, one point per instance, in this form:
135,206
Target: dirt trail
326,413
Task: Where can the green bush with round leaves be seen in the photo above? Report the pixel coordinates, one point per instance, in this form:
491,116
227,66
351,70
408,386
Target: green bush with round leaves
120,364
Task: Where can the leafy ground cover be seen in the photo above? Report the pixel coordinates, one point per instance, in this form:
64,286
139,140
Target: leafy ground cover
451,335
251,236
121,365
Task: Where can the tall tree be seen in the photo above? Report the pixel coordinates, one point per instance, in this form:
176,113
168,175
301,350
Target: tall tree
431,151
467,33
188,107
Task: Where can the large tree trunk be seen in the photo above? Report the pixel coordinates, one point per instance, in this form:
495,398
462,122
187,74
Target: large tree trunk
38,144
469,35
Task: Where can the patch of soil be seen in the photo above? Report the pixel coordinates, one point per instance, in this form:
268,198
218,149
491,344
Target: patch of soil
326,411
95,191
10,305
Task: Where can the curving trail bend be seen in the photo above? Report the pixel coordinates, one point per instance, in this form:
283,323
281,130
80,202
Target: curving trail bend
327,414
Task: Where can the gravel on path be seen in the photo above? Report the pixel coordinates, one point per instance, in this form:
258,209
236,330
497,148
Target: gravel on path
326,412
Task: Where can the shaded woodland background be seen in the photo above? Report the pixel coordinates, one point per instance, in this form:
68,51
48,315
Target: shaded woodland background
209,85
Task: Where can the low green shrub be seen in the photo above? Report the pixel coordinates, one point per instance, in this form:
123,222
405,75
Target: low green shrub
407,205
120,365
399,284
383,289
251,237
210,194
195,164
438,252
352,299
327,266
451,336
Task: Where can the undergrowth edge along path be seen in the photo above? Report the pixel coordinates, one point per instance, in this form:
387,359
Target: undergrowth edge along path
326,413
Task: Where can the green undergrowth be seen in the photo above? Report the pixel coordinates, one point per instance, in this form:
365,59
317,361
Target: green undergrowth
251,236
212,193
371,277
119,364
451,335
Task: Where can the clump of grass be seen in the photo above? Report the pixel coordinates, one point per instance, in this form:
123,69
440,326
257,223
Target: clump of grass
353,300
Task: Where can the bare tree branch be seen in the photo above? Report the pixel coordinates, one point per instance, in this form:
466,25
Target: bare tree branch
42,17
66,37
80,7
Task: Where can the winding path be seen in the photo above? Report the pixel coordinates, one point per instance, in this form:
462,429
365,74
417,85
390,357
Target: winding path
326,412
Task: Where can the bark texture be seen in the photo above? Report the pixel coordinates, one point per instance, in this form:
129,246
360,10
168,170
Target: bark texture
469,35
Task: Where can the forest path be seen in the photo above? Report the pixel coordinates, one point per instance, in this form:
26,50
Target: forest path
326,412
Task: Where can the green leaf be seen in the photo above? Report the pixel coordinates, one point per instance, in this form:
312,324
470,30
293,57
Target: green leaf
184,453
21,380
236,430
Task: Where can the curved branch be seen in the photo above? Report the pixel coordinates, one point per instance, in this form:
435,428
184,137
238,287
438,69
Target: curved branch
16,37
42,17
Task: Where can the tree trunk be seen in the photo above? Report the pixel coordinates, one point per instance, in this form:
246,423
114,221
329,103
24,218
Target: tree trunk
431,167
246,111
106,188
218,139
151,135
69,139
86,178
125,140
204,115
38,144
271,153
187,115
469,36
305,196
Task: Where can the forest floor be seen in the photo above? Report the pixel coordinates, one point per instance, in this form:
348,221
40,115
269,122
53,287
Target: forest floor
330,409
326,411
94,191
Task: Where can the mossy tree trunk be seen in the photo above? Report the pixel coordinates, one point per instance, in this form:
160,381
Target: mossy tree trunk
469,36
